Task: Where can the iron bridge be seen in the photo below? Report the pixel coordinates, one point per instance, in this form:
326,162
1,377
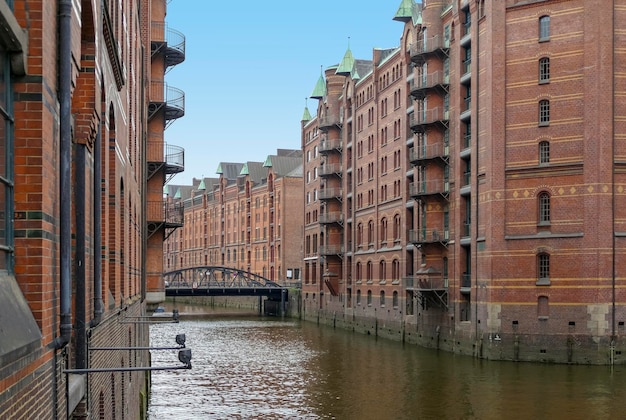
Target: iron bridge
220,281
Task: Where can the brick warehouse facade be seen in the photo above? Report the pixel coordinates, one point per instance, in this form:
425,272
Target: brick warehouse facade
469,183
82,143
242,219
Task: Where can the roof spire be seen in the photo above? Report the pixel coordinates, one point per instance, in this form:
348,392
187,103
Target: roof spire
320,88
307,115
405,11
346,65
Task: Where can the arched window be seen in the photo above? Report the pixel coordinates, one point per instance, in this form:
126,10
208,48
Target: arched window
395,299
543,308
382,298
544,70
544,152
544,28
383,231
544,112
395,271
382,269
369,298
397,223
544,208
359,235
358,297
543,269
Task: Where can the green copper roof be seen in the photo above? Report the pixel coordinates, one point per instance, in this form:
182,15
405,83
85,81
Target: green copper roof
346,65
355,74
307,115
202,186
244,170
405,11
219,169
320,88
268,162
177,195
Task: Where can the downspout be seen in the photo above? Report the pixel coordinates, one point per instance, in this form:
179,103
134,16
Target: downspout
79,260
613,284
97,230
65,147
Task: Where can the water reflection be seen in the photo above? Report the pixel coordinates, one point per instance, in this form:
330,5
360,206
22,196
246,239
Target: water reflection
262,368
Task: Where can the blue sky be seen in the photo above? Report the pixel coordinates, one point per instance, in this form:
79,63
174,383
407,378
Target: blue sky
250,65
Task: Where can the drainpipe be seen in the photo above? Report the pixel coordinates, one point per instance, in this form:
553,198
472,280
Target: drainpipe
79,259
65,74
97,233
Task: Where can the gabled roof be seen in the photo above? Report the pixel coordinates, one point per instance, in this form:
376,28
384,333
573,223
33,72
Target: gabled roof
283,165
229,170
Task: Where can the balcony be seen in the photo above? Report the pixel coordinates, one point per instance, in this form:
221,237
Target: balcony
436,45
167,98
160,155
432,287
330,169
421,154
330,194
419,121
170,42
330,218
329,121
327,146
330,250
164,214
429,188
436,81
429,236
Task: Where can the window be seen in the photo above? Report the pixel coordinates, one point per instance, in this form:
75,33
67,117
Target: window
358,297
544,112
382,298
544,28
544,70
544,153
369,298
543,269
543,308
544,208
395,299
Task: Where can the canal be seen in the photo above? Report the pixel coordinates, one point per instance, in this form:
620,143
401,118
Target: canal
251,367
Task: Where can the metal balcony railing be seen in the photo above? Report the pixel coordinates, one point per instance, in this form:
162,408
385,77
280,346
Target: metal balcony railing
330,145
172,214
421,236
330,250
331,217
429,116
330,169
167,97
330,193
168,41
427,46
421,188
428,152
419,85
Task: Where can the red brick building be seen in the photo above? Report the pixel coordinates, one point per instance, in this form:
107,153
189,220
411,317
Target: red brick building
468,184
242,219
75,174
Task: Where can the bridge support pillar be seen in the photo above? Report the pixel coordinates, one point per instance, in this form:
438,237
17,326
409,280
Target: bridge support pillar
261,312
